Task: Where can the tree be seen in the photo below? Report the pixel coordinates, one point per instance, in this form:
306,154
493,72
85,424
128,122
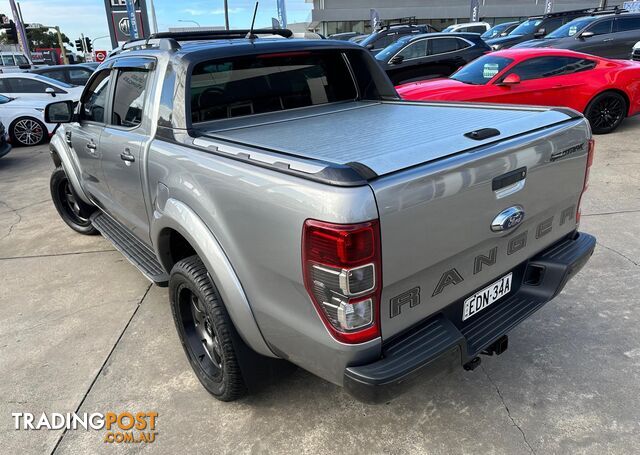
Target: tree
43,38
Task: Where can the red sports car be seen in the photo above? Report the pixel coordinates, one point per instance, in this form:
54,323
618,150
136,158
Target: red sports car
606,91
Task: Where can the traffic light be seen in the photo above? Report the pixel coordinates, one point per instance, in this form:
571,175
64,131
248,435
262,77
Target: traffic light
79,45
12,33
88,47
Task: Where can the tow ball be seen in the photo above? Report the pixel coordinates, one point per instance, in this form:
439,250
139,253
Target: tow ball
497,348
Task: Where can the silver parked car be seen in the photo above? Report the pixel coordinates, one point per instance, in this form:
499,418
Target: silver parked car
300,212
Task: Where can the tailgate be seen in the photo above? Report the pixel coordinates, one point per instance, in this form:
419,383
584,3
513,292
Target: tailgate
437,242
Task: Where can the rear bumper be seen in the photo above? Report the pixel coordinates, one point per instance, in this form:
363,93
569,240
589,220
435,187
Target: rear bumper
442,342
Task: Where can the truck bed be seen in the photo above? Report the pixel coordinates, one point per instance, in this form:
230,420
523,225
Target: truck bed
384,136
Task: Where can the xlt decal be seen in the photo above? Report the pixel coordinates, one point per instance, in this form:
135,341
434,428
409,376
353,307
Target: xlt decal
453,277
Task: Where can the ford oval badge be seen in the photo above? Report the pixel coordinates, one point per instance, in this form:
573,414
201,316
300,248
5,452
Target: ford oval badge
508,219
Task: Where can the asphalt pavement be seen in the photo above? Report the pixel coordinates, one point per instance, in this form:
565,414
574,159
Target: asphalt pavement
81,330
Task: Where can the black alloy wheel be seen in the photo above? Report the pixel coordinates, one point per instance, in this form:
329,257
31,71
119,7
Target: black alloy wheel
205,329
70,207
605,112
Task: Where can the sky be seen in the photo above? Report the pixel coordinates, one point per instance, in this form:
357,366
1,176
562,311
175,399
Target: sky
89,17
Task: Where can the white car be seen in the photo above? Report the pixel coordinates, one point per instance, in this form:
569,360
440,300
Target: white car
468,27
36,86
14,62
24,120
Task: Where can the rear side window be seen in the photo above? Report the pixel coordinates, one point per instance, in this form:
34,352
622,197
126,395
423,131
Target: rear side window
24,85
7,60
537,68
551,25
416,49
5,86
475,29
55,74
601,28
443,45
249,85
626,24
128,100
21,60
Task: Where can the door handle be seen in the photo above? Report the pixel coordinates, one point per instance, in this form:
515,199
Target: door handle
127,156
91,146
607,39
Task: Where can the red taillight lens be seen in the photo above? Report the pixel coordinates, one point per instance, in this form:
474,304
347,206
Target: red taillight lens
342,274
585,186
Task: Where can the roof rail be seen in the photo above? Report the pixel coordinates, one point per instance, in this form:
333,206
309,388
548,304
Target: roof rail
196,35
411,20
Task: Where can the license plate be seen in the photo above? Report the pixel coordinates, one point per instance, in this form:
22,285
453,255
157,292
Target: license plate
482,299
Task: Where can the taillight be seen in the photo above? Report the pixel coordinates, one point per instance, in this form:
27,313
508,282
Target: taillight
342,274
590,153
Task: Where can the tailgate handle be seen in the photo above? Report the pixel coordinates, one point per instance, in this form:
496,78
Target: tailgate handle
482,134
508,179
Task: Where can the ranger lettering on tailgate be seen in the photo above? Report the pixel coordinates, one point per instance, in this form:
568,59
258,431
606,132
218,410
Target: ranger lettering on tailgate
411,298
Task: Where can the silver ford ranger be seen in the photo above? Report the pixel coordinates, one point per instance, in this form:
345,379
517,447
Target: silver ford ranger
300,212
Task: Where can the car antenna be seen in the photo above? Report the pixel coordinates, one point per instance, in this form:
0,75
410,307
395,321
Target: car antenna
250,35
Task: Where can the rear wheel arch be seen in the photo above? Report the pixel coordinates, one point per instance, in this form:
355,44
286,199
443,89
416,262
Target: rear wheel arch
179,233
627,100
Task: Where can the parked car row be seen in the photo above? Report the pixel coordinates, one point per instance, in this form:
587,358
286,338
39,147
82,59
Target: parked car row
25,91
605,91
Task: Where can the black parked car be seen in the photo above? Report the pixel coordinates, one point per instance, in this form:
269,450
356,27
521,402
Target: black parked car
499,30
536,27
344,36
5,147
430,55
610,36
391,33
71,74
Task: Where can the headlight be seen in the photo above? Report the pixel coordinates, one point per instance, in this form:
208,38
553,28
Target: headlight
496,47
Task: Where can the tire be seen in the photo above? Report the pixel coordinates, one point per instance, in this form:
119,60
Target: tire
27,132
70,207
205,329
606,112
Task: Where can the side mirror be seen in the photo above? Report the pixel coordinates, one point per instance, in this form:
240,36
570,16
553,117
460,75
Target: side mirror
539,33
59,112
50,91
511,79
586,35
397,59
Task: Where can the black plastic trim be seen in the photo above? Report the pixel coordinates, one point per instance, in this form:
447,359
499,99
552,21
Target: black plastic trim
443,341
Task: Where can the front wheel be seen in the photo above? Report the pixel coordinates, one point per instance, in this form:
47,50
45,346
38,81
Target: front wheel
70,207
606,112
27,131
205,329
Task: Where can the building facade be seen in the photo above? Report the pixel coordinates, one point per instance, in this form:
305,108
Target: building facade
338,16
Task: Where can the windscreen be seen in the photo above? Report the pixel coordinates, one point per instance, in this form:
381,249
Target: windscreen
481,70
237,87
52,81
570,28
528,26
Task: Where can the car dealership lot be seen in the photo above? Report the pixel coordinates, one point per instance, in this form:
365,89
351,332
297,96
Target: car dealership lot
80,328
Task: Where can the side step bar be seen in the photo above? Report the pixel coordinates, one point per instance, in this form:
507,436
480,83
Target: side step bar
133,249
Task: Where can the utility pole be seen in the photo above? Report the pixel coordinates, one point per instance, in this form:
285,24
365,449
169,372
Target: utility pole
63,51
152,13
226,14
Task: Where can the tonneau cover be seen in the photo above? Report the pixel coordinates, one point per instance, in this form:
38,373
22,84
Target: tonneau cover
384,136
